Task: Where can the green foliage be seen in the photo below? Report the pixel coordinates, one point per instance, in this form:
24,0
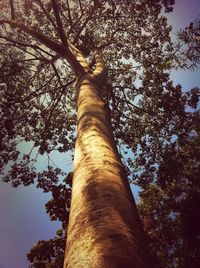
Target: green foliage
151,117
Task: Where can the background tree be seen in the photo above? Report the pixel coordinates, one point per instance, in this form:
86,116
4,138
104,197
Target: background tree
147,111
169,203
169,200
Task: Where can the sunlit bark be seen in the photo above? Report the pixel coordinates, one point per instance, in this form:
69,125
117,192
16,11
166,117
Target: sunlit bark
104,227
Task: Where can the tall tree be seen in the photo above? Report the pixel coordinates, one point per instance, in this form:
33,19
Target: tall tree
169,168
169,202
55,61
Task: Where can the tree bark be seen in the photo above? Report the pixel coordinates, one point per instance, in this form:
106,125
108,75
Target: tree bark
104,227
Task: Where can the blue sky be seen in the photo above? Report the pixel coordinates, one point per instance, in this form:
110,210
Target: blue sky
23,217
184,12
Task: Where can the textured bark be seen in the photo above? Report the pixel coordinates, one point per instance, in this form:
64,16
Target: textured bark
104,228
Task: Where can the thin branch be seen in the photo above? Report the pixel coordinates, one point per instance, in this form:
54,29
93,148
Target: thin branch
131,104
36,93
85,23
58,22
69,14
73,25
25,60
56,101
46,13
109,41
15,42
49,159
20,48
80,5
12,8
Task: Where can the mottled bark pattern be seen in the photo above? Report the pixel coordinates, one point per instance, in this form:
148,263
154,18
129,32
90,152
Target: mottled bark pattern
104,229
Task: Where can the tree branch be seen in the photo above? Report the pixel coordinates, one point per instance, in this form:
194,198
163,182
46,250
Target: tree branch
109,41
38,36
85,23
35,47
79,56
73,25
46,13
58,22
80,5
100,69
12,8
63,51
69,14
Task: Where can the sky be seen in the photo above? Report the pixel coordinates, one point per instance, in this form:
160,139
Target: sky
184,12
23,218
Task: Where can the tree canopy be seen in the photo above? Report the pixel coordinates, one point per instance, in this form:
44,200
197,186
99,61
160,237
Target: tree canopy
154,122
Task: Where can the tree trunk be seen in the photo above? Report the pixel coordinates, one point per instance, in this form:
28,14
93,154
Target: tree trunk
104,227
